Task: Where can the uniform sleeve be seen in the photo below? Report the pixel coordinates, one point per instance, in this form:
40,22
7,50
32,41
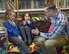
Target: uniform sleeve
32,25
10,29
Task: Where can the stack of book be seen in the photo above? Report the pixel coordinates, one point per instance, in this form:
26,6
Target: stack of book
31,4
62,3
7,4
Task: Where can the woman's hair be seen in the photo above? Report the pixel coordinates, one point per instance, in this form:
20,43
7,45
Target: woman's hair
7,13
23,16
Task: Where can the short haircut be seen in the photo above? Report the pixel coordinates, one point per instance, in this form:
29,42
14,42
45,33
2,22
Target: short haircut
50,6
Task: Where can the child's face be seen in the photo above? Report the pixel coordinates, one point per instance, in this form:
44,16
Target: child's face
12,16
27,17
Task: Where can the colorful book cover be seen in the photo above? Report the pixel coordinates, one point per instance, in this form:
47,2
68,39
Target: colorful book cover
40,3
11,6
67,3
6,5
2,6
32,4
61,3
13,2
24,4
28,4
43,3
21,4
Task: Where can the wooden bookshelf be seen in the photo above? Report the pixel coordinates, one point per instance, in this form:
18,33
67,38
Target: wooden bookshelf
31,10
64,8
24,10
3,11
34,9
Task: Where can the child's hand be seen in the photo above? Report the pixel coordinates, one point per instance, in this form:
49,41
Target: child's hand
29,22
24,22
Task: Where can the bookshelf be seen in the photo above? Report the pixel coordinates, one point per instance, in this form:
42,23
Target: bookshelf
64,8
24,10
3,11
21,6
62,3
31,4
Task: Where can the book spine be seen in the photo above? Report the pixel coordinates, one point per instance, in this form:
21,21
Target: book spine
43,3
12,6
2,6
25,4
32,4
57,3
28,4
6,6
20,4
64,3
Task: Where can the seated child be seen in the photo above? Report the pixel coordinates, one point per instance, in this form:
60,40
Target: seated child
26,27
13,32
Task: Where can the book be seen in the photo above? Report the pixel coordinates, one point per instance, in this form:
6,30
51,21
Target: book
38,3
32,4
21,4
67,3
11,6
62,3
6,5
24,4
43,3
35,4
2,5
13,2
28,4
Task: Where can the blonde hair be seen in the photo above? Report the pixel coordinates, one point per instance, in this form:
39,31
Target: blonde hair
7,13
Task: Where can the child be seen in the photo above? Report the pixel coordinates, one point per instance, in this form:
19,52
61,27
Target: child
13,33
27,26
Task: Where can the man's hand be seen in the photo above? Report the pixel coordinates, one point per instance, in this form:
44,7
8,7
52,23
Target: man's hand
35,31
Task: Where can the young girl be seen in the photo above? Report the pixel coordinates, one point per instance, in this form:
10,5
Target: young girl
27,26
13,33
